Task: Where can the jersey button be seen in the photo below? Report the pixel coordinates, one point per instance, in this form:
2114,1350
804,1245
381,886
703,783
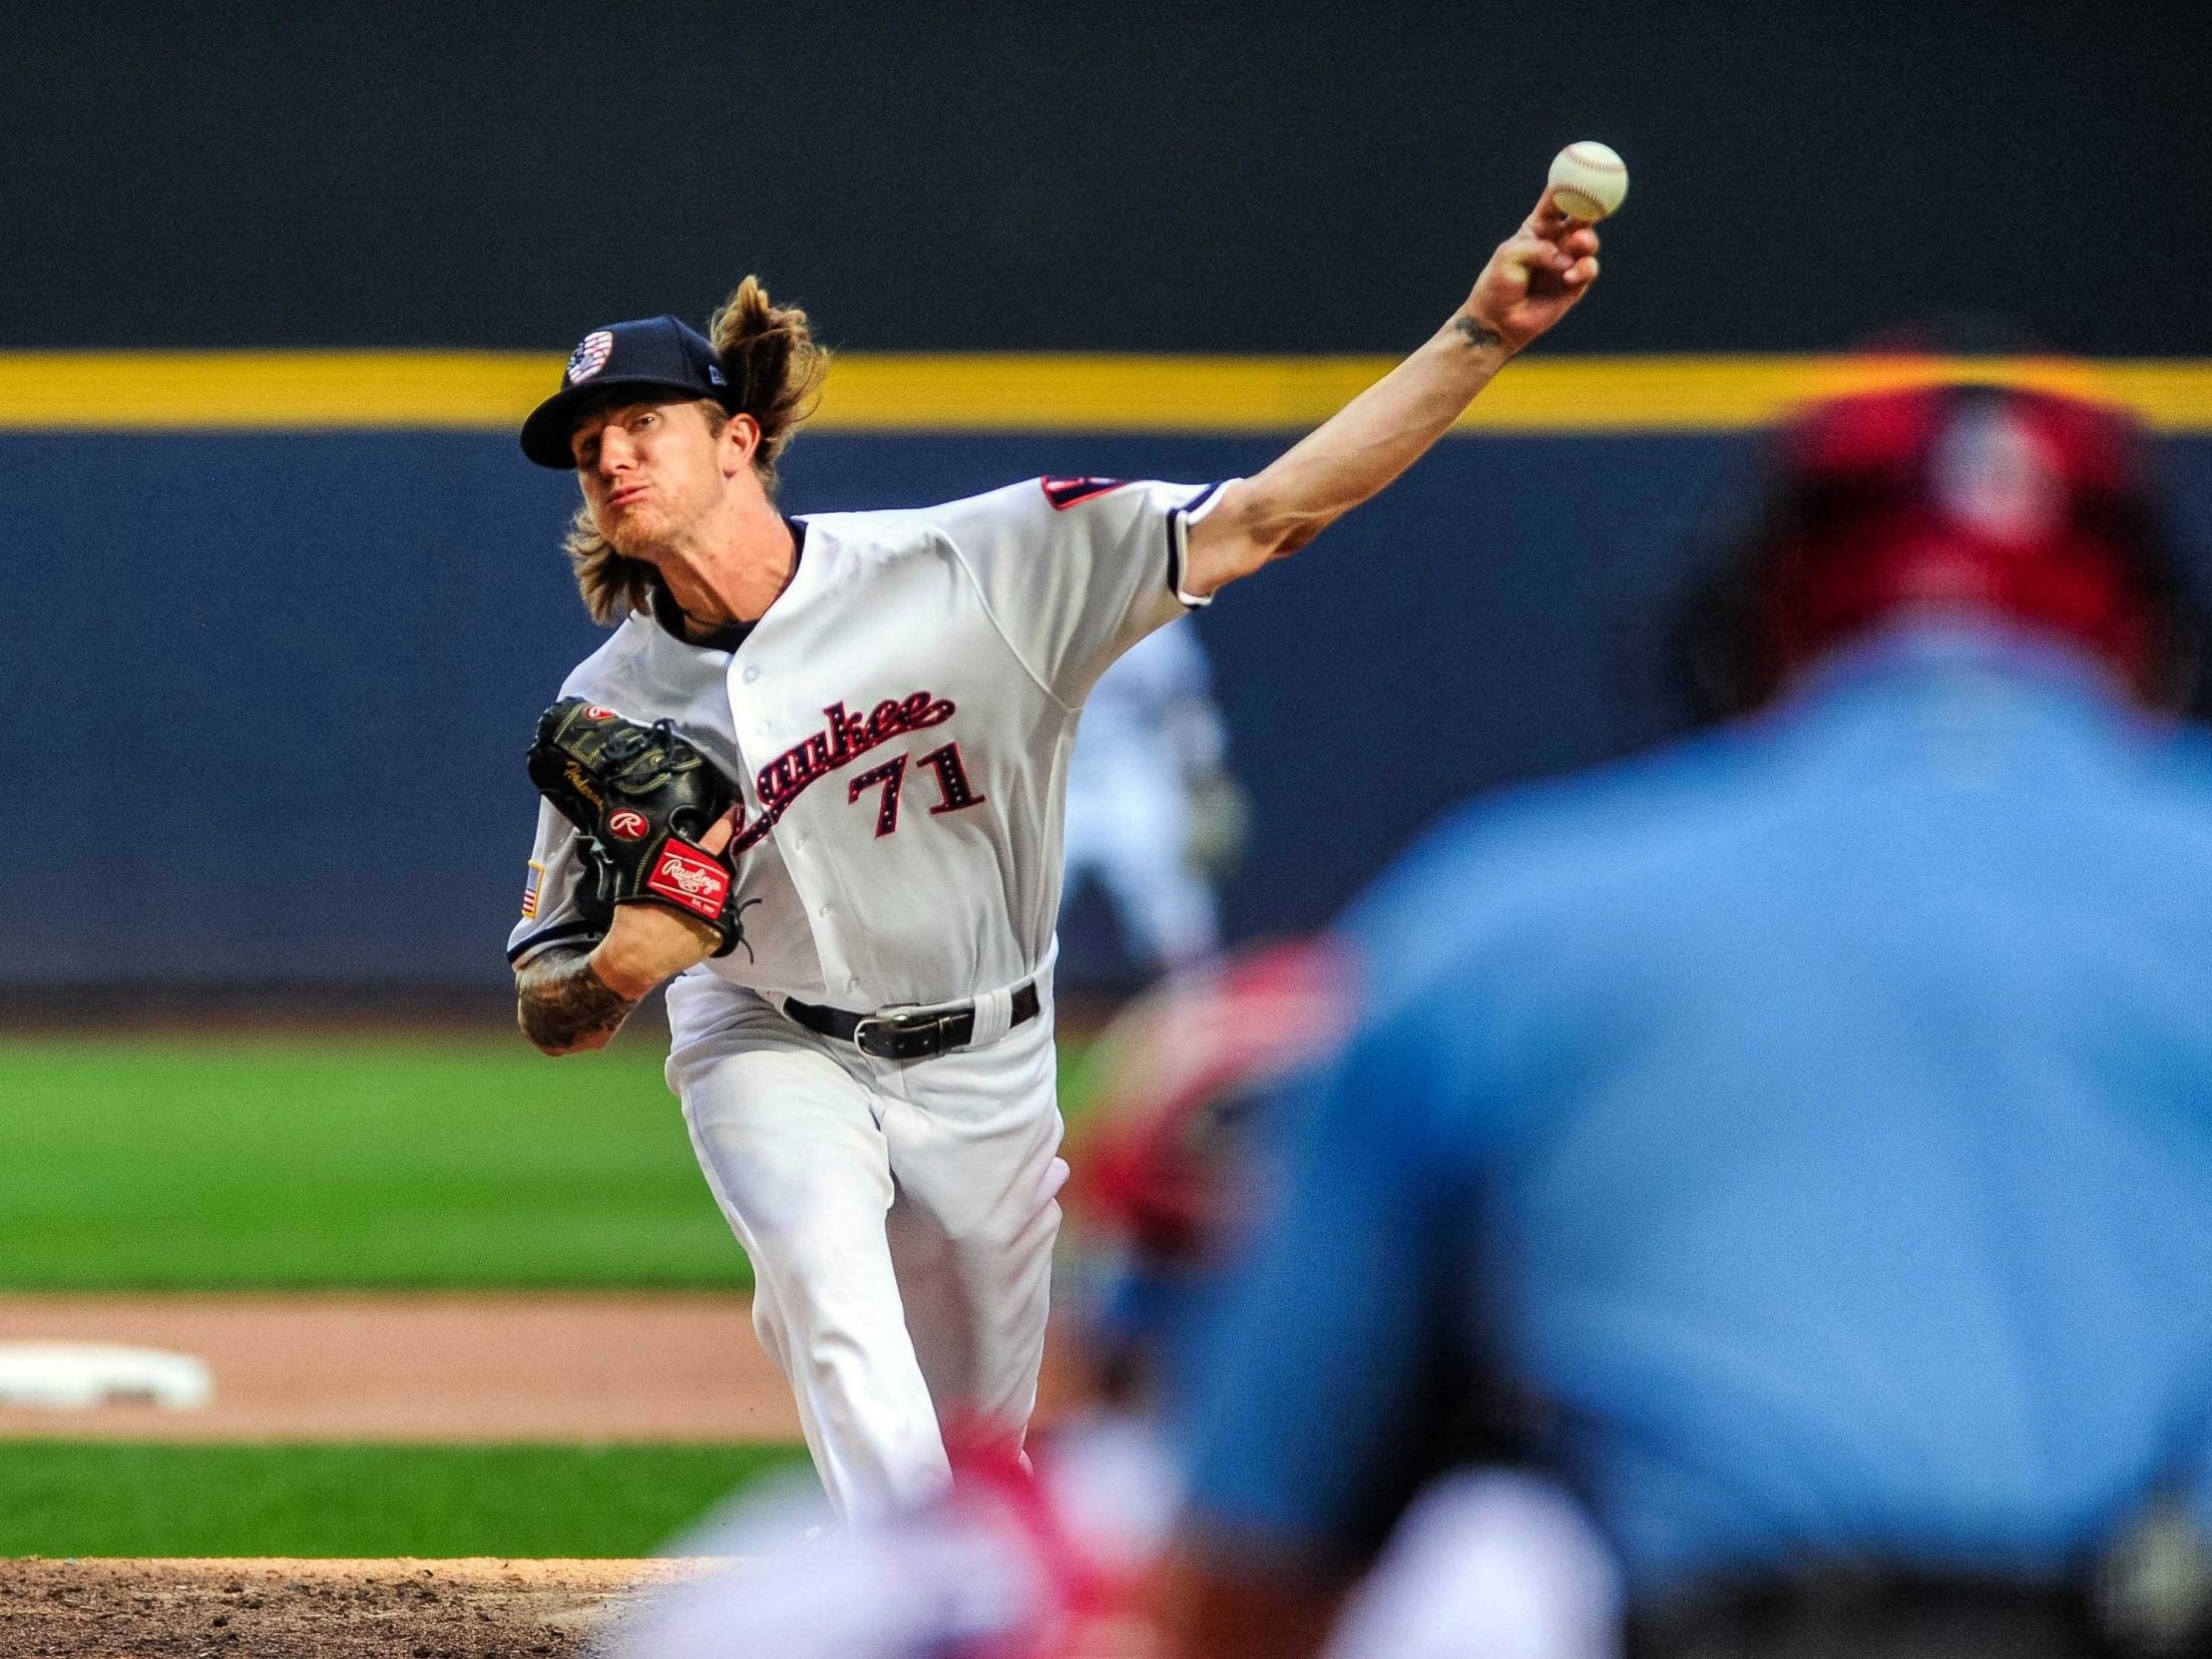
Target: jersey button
751,675
826,912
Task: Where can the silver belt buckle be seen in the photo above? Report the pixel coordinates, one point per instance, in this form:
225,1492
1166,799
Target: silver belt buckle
869,1023
895,1024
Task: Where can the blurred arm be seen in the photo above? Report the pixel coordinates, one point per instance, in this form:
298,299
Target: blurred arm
1532,281
1213,1608
1315,1412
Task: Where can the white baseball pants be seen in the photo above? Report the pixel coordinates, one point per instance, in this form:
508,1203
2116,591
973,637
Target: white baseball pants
900,1219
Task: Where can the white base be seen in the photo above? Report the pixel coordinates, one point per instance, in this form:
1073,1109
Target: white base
75,1375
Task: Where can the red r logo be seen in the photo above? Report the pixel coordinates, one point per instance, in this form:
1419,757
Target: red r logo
627,825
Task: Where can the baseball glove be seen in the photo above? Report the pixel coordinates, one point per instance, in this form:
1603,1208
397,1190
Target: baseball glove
643,796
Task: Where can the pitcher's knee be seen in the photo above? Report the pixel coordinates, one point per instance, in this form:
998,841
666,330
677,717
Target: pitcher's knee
824,1256
868,1392
1013,1235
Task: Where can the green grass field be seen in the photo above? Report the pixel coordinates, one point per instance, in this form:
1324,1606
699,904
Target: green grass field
354,1161
298,1163
349,1162
81,1498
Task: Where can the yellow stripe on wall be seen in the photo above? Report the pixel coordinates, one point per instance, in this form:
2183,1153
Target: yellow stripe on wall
1560,394
271,390
1016,392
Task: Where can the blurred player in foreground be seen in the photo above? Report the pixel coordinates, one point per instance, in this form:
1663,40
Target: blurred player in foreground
1152,812
1800,1141
1006,1566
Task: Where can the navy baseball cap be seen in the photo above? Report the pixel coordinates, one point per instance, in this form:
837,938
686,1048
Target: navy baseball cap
652,354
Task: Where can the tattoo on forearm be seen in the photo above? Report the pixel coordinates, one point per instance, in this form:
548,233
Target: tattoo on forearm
560,1000
1476,334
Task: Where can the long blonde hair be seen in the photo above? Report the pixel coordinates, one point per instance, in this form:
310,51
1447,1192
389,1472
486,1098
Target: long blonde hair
774,367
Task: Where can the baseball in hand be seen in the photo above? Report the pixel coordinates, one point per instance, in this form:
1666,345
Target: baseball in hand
1588,181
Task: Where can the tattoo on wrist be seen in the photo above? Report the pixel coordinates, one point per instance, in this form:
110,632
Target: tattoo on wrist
1475,333
560,1000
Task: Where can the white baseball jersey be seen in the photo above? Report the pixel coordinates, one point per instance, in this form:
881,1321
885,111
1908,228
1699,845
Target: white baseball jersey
900,722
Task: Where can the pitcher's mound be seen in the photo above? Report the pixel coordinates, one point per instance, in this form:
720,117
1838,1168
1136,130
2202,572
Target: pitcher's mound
393,1609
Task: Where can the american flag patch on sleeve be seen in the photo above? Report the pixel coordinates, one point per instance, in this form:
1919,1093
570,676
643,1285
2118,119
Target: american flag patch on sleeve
530,886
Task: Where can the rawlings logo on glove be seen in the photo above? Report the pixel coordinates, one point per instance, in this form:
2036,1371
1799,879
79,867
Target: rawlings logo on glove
643,797
696,884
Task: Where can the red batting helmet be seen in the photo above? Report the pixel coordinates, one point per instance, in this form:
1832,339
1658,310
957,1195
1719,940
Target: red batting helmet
2027,506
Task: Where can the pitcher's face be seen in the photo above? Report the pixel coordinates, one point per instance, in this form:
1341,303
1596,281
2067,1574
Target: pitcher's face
650,470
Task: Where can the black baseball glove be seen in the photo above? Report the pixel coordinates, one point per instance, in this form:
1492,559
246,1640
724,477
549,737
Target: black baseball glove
643,796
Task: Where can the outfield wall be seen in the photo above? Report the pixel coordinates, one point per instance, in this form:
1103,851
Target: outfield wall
271,683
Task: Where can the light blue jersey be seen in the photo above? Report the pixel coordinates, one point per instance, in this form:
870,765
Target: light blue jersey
1816,1119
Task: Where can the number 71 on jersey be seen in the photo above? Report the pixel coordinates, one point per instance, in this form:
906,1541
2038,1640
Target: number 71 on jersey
954,792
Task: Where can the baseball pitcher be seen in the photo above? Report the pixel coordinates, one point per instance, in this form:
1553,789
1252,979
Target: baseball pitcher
816,778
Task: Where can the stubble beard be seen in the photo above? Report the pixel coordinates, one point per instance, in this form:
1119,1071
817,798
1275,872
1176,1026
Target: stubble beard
648,536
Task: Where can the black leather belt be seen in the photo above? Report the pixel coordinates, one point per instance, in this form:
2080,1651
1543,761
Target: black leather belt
1872,1616
905,1036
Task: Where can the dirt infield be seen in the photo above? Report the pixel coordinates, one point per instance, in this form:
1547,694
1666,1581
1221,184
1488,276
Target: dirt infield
443,1368
278,1609
436,1368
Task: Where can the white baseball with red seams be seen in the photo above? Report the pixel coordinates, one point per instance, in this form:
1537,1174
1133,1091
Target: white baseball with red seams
1588,179
900,722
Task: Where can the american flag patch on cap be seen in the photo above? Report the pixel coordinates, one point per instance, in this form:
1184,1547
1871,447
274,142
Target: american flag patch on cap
589,356
530,886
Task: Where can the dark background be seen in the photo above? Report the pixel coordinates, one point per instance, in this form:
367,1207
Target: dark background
275,690
309,663
288,674
1287,176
